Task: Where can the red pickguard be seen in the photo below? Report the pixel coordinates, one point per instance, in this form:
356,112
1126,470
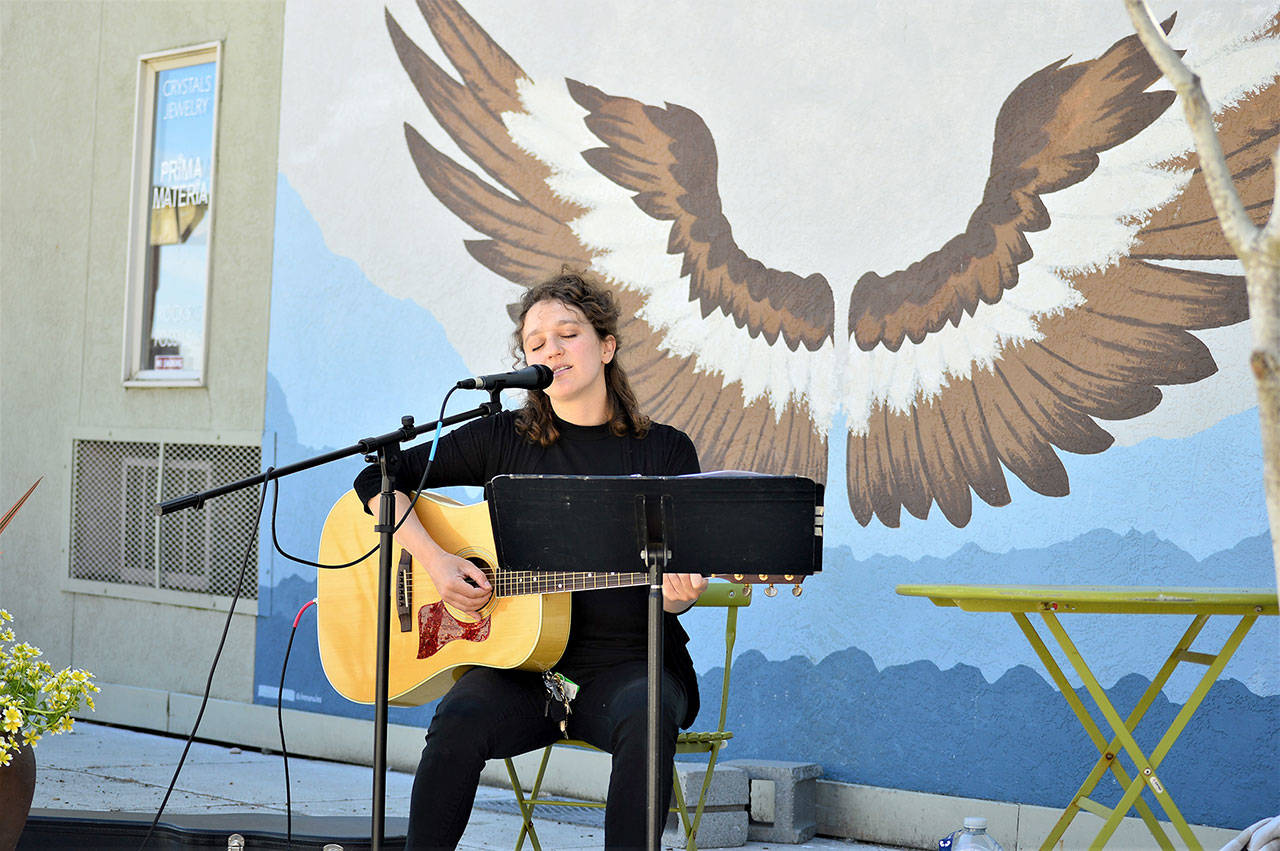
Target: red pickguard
437,627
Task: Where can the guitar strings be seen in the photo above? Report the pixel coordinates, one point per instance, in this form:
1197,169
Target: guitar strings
518,583
510,583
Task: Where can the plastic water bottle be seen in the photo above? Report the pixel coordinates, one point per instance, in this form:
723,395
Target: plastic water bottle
973,837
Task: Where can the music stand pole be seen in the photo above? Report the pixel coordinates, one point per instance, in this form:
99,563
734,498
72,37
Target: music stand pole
657,551
653,672
753,527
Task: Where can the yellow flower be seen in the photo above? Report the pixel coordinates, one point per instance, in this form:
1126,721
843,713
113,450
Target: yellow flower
34,699
12,719
5,757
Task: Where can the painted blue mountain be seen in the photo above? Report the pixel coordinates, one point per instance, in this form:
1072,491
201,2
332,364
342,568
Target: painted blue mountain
952,732
852,603
893,691
346,361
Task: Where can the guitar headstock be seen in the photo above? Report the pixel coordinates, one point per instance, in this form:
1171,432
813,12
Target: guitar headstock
769,580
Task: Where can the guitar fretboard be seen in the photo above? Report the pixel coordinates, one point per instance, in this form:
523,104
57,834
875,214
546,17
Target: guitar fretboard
518,583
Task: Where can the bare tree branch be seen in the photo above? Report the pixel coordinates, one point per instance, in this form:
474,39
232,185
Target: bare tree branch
1270,240
1257,248
1236,224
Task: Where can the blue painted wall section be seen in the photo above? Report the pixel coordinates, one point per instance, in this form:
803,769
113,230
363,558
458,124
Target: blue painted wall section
1000,731
953,732
343,354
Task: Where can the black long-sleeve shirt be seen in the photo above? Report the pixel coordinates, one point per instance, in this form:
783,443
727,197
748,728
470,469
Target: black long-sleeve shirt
607,626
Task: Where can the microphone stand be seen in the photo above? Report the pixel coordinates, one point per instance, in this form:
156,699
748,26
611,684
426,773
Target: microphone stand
385,451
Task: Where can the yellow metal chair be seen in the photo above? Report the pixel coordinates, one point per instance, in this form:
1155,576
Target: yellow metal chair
726,595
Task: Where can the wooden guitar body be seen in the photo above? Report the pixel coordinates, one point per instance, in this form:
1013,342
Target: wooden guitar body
431,644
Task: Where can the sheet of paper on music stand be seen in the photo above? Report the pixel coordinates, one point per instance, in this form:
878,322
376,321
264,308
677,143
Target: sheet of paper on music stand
714,523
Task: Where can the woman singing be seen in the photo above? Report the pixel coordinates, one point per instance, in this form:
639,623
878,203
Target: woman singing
587,422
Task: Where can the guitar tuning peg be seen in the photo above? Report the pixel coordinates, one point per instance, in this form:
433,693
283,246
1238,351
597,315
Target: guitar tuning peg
770,591
746,590
796,590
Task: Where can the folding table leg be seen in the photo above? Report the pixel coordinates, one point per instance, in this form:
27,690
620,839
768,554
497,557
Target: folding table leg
1146,766
1215,665
1107,761
1143,766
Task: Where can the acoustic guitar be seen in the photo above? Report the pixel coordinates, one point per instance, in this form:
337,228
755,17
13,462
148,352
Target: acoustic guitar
524,625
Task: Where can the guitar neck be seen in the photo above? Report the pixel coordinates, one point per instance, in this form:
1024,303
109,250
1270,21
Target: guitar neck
518,583
521,583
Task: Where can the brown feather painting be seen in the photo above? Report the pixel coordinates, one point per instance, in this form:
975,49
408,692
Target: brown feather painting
984,357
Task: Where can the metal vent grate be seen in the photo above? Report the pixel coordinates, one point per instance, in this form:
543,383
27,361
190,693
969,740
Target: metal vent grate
116,538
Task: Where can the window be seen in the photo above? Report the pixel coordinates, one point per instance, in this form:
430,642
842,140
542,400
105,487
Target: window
116,539
172,217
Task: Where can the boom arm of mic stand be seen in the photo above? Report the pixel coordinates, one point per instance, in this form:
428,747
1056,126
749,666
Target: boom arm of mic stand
367,446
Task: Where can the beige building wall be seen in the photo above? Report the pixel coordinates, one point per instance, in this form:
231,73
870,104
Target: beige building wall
68,88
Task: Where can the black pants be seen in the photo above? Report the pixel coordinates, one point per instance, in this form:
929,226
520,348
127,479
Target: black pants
492,714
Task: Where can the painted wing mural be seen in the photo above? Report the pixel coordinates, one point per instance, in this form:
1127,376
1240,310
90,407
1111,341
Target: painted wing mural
687,368
1008,367
994,352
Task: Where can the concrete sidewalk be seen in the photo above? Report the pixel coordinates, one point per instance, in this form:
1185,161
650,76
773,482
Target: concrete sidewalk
101,769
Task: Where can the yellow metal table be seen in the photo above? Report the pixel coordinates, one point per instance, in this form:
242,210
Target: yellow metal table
1049,601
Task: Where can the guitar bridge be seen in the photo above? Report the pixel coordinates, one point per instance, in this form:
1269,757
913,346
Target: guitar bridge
404,591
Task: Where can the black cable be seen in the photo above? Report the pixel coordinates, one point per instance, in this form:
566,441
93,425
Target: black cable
275,504
275,541
208,686
266,479
288,792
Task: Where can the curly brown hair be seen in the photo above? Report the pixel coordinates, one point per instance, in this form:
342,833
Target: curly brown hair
574,289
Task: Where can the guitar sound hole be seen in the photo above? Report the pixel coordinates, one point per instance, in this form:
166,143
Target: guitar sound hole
484,568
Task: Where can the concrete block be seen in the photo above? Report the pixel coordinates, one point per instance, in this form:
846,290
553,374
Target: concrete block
783,799
724,815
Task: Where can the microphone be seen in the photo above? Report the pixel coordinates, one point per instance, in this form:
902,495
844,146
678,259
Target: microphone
533,377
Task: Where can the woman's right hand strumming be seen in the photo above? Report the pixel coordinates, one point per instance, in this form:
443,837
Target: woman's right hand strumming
458,582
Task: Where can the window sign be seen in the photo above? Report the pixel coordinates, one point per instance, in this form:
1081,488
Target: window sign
169,268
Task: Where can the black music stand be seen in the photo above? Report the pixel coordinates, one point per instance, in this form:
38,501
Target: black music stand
740,524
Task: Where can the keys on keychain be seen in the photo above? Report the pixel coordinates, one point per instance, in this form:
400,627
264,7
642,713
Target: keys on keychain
562,690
